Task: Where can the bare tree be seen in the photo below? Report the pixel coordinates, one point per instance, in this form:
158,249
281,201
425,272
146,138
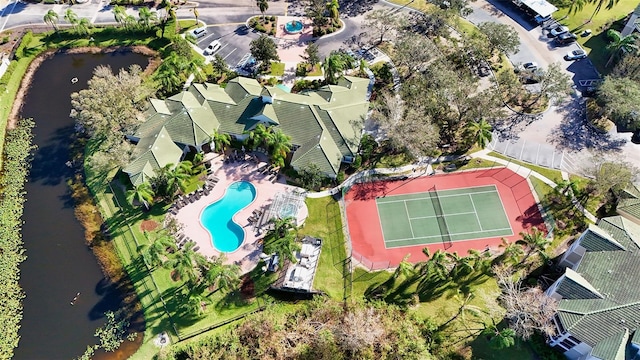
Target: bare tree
360,329
527,309
380,23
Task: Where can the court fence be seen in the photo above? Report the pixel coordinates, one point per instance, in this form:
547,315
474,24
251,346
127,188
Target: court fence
368,264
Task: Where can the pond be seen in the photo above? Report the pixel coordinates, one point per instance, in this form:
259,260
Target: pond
59,264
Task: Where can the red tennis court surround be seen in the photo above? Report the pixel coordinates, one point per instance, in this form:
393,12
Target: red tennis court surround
365,230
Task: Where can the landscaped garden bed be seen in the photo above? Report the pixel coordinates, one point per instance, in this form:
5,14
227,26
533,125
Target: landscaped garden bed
264,24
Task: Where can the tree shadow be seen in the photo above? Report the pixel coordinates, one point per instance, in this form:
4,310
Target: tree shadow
574,134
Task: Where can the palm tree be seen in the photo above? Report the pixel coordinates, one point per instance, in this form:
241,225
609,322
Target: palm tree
620,44
168,79
130,22
51,17
119,13
404,268
146,17
334,63
71,17
481,132
512,252
535,242
576,6
440,264
83,26
187,264
156,253
222,276
263,5
600,3
196,14
220,141
464,307
219,65
260,135
141,194
333,7
280,144
281,239
193,304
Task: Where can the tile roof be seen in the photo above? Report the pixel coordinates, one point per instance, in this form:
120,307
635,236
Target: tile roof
613,347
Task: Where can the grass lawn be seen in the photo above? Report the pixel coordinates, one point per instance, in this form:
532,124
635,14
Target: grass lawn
551,174
325,222
595,43
276,69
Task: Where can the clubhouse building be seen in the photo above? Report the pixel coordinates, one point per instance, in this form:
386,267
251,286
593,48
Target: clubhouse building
325,125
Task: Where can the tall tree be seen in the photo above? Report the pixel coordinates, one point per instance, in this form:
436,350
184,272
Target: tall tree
221,276
264,50
259,136
555,84
311,55
187,264
220,140
142,194
263,5
500,37
146,17
196,14
333,8
51,17
600,3
380,24
280,146
156,252
333,64
315,11
535,242
621,44
83,26
412,53
119,13
611,175
512,252
71,17
480,132
281,239
618,96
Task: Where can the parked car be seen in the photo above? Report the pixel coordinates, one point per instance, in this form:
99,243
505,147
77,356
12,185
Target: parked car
199,32
213,47
528,67
558,30
566,38
576,55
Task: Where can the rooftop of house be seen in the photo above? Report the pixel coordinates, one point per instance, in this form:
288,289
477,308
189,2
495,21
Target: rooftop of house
601,298
324,124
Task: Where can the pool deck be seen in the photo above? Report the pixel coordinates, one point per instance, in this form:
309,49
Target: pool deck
247,255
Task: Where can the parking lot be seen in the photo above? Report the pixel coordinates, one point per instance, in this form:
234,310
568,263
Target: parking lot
234,41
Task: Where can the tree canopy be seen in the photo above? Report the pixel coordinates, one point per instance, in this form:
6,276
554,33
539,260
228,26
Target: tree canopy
500,37
263,49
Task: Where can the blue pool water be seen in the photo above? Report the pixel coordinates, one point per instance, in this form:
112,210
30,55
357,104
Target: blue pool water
226,235
293,27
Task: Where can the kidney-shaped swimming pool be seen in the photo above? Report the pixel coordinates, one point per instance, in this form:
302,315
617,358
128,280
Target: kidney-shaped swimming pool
217,218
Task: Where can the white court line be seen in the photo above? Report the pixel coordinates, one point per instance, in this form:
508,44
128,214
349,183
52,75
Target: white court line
462,233
475,211
439,196
408,218
436,216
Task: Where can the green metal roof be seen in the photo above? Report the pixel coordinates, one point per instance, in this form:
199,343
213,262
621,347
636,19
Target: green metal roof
613,347
574,286
312,153
596,239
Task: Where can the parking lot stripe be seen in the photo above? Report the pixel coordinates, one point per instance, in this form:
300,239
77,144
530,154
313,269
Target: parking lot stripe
234,49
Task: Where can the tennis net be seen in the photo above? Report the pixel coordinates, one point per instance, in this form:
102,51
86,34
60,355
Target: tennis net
442,224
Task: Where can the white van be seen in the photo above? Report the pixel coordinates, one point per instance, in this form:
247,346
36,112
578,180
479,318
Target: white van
199,32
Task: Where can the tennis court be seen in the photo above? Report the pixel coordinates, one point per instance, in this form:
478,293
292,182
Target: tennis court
443,216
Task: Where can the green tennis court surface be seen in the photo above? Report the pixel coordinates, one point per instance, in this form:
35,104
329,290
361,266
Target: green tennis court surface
442,216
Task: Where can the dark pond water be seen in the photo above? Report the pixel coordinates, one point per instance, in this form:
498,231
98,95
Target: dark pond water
59,264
